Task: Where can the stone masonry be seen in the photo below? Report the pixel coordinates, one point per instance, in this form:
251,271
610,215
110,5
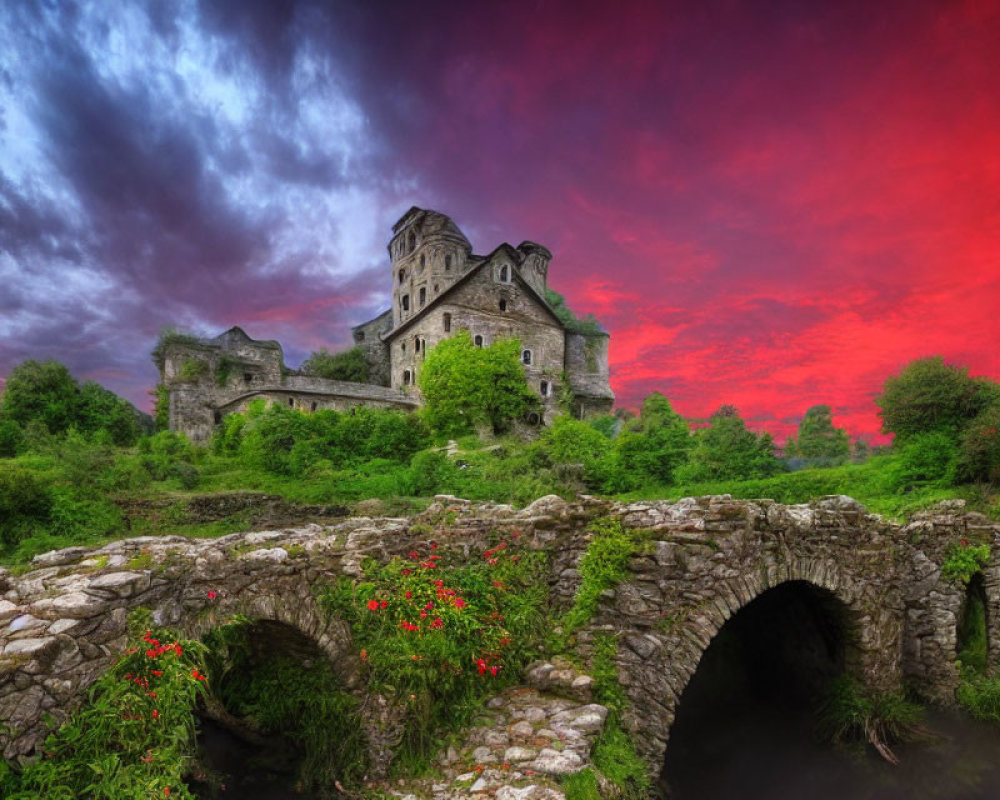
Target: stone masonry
697,562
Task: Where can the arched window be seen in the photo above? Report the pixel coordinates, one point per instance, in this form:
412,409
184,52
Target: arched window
405,302
423,261
436,288
402,347
291,402
503,305
526,357
447,323
504,274
544,388
402,276
407,377
447,262
423,295
361,336
478,340
313,406
411,240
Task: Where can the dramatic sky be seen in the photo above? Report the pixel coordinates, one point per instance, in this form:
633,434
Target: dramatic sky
770,204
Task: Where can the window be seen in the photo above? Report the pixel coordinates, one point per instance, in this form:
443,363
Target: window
247,377
436,288
217,416
416,345
405,302
503,305
407,377
423,261
423,295
411,240
291,402
402,276
526,357
447,323
504,274
447,262
402,347
544,388
478,340
361,336
312,406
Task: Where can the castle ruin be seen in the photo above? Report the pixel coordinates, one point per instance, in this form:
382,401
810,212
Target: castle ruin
439,287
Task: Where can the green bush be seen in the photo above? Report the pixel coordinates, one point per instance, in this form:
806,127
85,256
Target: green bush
11,438
979,448
727,450
603,566
135,736
926,459
431,472
851,712
964,560
349,365
979,695
25,502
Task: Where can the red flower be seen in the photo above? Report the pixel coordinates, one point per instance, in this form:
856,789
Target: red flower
494,670
435,558
437,623
407,572
156,714
157,672
198,676
434,545
459,602
384,604
151,654
414,555
409,595
212,594
178,650
423,615
965,543
482,666
439,583
373,605
364,656
166,791
429,606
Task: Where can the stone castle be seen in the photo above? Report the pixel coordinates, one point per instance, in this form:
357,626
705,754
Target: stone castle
439,287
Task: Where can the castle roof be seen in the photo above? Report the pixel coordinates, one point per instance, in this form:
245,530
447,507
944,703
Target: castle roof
431,223
516,257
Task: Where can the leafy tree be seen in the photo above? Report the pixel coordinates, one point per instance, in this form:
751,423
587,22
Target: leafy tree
930,395
655,443
818,439
925,459
42,390
979,448
350,365
11,438
727,450
101,409
465,386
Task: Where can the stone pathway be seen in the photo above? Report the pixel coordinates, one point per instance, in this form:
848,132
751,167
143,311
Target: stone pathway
527,738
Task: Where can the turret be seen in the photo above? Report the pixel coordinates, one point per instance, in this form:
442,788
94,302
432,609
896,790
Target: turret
428,253
535,267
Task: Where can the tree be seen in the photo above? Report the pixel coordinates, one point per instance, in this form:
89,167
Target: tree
350,365
979,448
818,440
727,450
41,390
101,409
930,395
465,386
656,442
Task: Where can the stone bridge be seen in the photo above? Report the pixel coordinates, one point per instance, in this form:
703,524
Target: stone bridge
697,563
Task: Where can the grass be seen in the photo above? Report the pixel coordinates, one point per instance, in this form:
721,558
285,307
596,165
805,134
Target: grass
852,713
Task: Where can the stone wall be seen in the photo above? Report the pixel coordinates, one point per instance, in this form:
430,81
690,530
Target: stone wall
699,561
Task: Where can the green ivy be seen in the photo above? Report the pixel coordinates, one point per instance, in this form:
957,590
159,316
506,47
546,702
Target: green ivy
603,566
964,560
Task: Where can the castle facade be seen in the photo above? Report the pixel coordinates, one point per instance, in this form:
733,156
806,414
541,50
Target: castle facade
439,287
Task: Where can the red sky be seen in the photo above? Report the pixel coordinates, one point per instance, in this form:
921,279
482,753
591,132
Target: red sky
770,204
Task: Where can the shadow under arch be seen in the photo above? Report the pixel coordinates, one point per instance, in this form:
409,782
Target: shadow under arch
760,677
972,635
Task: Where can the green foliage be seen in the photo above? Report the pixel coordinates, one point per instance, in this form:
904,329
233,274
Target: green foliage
161,406
979,448
441,634
972,636
133,739
431,472
603,566
979,694
192,370
303,701
925,459
570,441
350,365
652,446
585,325
11,438
851,712
24,502
102,410
169,336
727,450
930,395
465,386
44,391
964,560
581,785
818,440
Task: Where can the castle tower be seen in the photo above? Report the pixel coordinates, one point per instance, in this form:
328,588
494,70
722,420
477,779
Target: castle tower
428,253
535,267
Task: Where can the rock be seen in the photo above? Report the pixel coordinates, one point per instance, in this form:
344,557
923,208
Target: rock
522,729
515,754
532,792
273,555
123,584
554,762
77,605
483,755
28,647
58,558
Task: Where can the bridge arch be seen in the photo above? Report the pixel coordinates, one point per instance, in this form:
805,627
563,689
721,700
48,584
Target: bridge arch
657,667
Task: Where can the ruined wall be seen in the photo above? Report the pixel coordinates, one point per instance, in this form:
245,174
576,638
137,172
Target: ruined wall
589,373
368,336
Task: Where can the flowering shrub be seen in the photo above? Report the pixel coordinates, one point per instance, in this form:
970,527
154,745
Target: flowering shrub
134,739
442,635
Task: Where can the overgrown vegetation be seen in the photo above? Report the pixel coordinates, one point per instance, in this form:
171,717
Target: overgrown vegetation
603,566
441,635
135,738
301,701
349,365
574,324
964,560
